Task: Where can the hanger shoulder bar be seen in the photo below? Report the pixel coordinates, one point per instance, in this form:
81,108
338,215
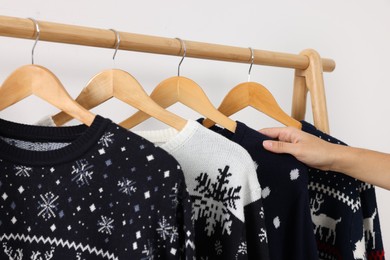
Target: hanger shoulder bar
80,35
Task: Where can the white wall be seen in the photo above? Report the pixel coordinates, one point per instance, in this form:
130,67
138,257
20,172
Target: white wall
353,33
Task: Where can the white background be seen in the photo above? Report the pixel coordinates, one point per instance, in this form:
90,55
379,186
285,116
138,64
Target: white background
353,33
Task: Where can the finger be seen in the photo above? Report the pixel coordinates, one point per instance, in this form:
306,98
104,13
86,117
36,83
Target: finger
285,134
271,132
278,147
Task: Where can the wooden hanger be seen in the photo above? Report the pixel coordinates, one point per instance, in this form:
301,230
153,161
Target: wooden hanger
257,96
123,86
186,91
39,81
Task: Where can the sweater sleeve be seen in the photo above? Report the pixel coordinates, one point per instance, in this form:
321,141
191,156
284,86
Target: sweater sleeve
256,233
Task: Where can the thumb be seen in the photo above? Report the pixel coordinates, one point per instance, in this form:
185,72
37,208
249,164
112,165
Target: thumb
277,146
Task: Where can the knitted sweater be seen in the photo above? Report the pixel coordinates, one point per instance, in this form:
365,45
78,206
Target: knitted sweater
98,192
344,213
284,183
221,178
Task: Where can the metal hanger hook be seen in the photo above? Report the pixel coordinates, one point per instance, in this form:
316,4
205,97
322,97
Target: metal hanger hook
38,32
183,46
118,41
252,61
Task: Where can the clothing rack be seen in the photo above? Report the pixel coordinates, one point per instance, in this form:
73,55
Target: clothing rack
308,65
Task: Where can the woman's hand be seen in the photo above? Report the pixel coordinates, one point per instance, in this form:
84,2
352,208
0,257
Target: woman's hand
307,148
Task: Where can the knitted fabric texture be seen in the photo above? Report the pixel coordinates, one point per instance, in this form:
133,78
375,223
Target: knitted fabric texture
103,193
344,212
284,183
221,179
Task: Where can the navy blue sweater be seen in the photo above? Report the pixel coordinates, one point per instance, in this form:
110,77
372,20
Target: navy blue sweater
344,212
98,192
284,181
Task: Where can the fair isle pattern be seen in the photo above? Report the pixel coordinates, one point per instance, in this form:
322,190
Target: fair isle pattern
112,196
190,244
355,205
59,242
286,212
344,211
365,186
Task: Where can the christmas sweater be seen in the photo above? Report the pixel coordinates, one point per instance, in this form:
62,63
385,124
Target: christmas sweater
344,212
226,195
285,196
90,193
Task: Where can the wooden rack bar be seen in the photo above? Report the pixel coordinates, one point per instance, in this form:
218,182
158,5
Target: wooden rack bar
105,38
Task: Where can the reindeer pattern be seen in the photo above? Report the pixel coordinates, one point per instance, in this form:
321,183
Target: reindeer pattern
322,221
17,254
368,226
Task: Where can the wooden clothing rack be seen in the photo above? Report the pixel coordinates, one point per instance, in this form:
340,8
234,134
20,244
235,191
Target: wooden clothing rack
308,64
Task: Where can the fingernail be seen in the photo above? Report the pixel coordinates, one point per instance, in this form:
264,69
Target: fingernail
267,144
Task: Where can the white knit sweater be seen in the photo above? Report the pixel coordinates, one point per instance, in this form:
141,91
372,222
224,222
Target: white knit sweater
221,178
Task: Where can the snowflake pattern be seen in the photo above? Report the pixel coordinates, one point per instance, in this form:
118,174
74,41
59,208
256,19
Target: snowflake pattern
164,229
173,196
82,172
48,205
174,234
148,251
106,139
294,174
23,171
126,186
261,213
263,236
106,198
215,200
242,249
106,225
78,256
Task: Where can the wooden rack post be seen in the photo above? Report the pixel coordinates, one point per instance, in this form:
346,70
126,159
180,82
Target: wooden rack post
311,79
105,38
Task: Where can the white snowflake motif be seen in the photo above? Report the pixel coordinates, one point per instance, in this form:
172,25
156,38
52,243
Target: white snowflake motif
23,171
126,186
164,229
48,205
174,234
294,174
78,256
261,213
263,236
242,249
106,139
276,222
148,251
173,196
82,172
215,200
106,225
